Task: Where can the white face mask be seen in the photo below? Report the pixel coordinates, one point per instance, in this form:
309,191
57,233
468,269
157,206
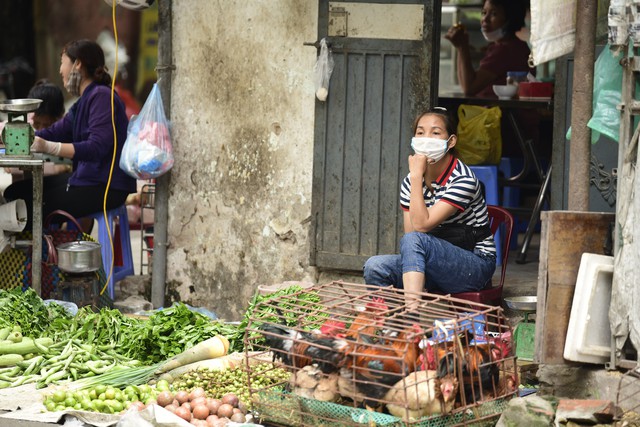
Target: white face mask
433,148
494,35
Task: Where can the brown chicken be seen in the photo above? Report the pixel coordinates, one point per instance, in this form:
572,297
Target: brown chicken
367,371
422,394
295,348
370,368
369,321
479,369
364,327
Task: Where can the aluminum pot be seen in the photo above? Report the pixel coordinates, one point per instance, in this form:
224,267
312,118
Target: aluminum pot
79,256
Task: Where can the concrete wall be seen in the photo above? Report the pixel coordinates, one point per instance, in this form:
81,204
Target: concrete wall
242,110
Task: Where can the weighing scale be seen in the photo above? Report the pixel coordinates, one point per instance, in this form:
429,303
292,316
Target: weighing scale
18,134
525,331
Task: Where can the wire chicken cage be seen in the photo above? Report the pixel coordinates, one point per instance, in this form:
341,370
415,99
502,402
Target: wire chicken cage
361,355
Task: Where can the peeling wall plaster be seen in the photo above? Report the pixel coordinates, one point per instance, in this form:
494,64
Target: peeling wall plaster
242,112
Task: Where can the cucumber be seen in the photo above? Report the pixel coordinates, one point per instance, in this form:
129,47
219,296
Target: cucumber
26,346
15,336
4,333
10,359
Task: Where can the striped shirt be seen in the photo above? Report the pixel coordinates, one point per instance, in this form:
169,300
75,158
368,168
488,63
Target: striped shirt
459,187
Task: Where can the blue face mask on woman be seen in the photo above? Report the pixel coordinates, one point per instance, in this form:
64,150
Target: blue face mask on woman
432,148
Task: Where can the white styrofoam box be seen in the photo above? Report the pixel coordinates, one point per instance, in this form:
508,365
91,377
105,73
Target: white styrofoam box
589,332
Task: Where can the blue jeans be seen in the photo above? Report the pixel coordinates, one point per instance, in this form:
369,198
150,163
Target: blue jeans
447,268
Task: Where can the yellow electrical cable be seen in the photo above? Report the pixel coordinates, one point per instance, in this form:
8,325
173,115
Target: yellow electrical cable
115,146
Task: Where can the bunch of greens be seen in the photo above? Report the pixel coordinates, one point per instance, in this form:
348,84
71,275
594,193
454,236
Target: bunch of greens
170,331
29,311
106,328
165,333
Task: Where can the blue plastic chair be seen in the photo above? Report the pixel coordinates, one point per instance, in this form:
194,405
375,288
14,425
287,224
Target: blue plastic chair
118,222
488,176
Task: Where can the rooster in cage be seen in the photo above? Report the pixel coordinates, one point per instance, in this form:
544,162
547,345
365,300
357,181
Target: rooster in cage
478,363
367,371
422,394
365,325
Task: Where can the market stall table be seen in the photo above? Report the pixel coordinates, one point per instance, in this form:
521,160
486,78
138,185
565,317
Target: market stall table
36,167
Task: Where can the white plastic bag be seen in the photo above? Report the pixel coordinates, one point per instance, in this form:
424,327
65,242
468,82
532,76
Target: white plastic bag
147,152
323,70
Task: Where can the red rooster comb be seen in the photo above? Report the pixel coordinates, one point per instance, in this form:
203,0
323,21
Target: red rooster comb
377,304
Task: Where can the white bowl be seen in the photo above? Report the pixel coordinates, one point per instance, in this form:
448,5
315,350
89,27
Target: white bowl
505,91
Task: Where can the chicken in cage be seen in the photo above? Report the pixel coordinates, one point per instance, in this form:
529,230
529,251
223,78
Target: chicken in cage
363,355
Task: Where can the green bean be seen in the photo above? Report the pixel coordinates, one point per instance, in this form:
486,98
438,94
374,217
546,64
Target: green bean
55,376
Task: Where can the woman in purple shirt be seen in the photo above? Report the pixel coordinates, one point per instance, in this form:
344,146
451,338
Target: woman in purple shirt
84,135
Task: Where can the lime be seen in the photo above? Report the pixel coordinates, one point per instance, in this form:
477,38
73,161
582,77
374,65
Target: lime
70,401
100,388
110,393
86,404
93,394
59,396
145,388
130,389
98,404
162,385
50,405
116,406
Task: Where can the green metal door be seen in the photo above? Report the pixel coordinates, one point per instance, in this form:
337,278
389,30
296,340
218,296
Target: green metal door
385,71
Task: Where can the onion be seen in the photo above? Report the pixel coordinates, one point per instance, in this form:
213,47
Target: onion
231,399
198,401
238,417
164,398
213,405
225,410
183,413
182,396
200,412
197,392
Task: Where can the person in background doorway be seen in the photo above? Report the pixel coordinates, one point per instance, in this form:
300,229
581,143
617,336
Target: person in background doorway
86,136
50,110
500,21
52,107
440,194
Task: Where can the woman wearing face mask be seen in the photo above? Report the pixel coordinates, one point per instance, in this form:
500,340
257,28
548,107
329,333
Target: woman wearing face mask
500,20
85,135
440,197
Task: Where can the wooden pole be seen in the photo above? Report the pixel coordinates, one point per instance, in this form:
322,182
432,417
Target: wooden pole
581,105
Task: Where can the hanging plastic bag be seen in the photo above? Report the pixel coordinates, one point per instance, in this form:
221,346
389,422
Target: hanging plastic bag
479,134
147,152
607,88
323,70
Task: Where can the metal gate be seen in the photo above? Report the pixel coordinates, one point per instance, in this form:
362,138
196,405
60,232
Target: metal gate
386,65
